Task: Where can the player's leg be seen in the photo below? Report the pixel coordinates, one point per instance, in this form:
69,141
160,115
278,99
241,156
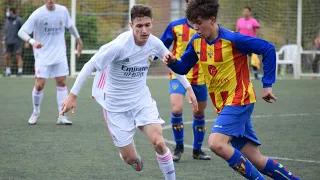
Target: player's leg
229,125
121,129
149,122
177,93
198,126
164,157
18,51
7,56
37,96
60,71
248,145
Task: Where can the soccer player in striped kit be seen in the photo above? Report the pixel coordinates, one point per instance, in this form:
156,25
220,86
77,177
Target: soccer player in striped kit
223,58
179,33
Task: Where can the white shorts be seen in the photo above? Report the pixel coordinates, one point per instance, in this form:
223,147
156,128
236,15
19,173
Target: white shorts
122,125
54,70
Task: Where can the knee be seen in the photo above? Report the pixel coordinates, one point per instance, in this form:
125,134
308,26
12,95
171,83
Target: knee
200,112
39,86
60,82
216,146
159,145
177,109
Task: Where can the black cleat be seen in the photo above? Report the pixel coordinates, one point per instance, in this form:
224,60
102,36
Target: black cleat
178,150
200,155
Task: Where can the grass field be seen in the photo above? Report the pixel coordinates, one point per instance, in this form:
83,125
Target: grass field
288,129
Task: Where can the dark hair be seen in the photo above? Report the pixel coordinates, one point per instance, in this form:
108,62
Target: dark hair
13,10
187,1
140,10
247,8
202,8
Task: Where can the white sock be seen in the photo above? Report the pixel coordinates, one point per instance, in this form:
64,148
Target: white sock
36,100
8,70
19,70
62,93
166,165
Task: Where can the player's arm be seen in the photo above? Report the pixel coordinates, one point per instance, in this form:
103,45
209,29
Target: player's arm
188,60
163,52
99,61
27,28
256,27
248,44
73,30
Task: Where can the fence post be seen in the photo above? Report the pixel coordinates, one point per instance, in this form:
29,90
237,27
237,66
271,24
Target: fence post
73,40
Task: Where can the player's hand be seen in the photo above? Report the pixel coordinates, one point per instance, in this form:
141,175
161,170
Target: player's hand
69,103
38,45
79,46
169,59
3,43
26,45
267,95
192,99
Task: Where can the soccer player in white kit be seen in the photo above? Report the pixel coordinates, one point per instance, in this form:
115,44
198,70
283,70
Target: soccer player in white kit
48,23
121,90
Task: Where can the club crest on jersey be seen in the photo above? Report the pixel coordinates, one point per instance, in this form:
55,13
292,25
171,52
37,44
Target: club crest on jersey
212,70
60,22
150,59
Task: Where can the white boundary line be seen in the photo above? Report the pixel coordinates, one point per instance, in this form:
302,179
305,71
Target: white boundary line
257,116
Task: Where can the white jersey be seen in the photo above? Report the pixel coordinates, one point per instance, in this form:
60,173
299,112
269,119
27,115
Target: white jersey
123,68
48,28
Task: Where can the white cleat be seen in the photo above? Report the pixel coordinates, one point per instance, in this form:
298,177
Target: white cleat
138,165
33,119
63,120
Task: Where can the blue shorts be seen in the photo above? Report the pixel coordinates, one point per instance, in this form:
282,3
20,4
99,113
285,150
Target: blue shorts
236,121
200,90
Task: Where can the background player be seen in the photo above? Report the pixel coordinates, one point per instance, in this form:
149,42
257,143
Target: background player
48,23
12,41
179,33
249,26
227,76
122,91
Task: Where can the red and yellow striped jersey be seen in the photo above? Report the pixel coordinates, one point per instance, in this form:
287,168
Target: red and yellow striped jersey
226,73
179,33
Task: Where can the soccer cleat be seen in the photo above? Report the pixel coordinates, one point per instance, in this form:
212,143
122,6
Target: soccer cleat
33,118
63,120
200,155
178,150
138,165
19,74
6,74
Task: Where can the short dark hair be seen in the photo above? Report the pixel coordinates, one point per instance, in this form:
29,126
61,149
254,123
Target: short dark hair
140,10
247,7
187,1
202,8
13,10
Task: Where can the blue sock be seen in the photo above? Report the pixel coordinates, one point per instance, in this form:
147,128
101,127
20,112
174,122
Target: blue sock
276,170
199,129
243,166
177,128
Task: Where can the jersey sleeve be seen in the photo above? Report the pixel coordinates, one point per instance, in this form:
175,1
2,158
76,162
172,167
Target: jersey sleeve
255,23
188,60
161,49
248,44
106,55
67,18
167,37
30,25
